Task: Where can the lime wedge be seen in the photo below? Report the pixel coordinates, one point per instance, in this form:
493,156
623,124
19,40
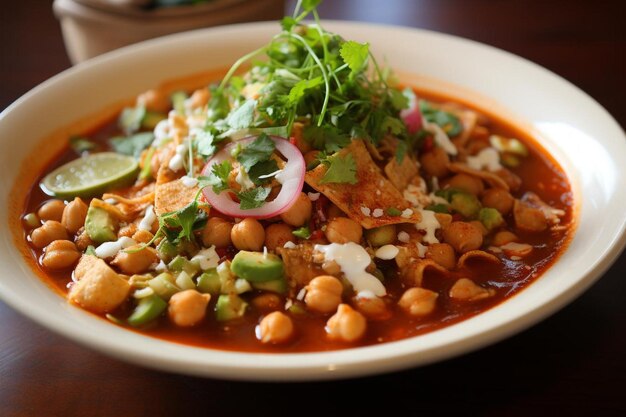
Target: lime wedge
91,175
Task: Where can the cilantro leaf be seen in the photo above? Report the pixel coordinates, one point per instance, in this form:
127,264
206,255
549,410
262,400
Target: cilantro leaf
181,224
309,5
132,145
130,119
328,138
355,55
257,151
288,22
401,151
218,178
340,170
297,91
243,116
261,169
205,143
303,232
80,144
399,100
253,198
446,120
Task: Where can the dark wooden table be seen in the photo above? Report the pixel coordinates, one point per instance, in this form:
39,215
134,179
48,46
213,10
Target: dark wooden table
573,363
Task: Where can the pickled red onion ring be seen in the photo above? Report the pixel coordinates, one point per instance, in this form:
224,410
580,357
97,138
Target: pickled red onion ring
412,117
291,178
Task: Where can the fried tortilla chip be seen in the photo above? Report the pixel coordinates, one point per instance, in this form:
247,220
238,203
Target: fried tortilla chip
401,174
367,201
170,194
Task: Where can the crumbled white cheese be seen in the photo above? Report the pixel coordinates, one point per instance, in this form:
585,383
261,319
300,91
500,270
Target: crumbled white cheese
148,219
110,249
440,137
421,249
387,252
301,294
367,295
366,211
406,213
377,212
429,224
289,245
487,158
353,260
160,267
206,258
189,182
243,179
404,237
176,163
313,196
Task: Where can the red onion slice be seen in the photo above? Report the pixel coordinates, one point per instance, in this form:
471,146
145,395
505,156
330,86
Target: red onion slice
291,177
412,117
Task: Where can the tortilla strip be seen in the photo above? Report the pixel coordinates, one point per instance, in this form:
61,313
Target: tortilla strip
372,191
299,266
476,255
170,194
413,273
401,174
491,178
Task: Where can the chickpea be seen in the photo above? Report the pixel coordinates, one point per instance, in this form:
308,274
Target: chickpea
466,290
467,183
373,308
275,328
188,308
529,218
346,324
267,301
74,215
217,232
299,213
435,162
323,294
135,260
154,100
503,237
248,235
331,268
51,210
463,237
49,231
343,230
443,254
142,236
60,254
418,302
499,199
480,226
277,234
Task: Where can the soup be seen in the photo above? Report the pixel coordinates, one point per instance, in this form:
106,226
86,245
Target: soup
310,203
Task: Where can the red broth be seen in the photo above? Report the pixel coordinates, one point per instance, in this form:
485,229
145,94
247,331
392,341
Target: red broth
539,173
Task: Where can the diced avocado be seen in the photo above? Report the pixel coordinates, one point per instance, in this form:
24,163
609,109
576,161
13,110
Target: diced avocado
209,282
166,250
276,285
381,236
466,204
151,119
490,218
148,309
184,281
163,285
256,266
510,145
180,263
229,307
100,225
439,208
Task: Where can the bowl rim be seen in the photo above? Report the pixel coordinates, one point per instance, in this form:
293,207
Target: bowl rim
319,365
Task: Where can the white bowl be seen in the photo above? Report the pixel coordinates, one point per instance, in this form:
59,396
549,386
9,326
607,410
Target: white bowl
575,129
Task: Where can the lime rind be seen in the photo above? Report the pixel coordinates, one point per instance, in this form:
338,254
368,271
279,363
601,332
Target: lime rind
91,175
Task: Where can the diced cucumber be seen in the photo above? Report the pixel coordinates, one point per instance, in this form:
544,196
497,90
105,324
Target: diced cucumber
241,286
381,236
166,250
184,281
278,286
180,263
163,285
229,307
148,309
257,266
209,282
466,204
227,279
490,218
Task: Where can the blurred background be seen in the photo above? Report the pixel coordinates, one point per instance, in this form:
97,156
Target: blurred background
570,364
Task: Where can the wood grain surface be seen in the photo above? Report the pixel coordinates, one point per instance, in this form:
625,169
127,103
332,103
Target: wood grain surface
573,363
